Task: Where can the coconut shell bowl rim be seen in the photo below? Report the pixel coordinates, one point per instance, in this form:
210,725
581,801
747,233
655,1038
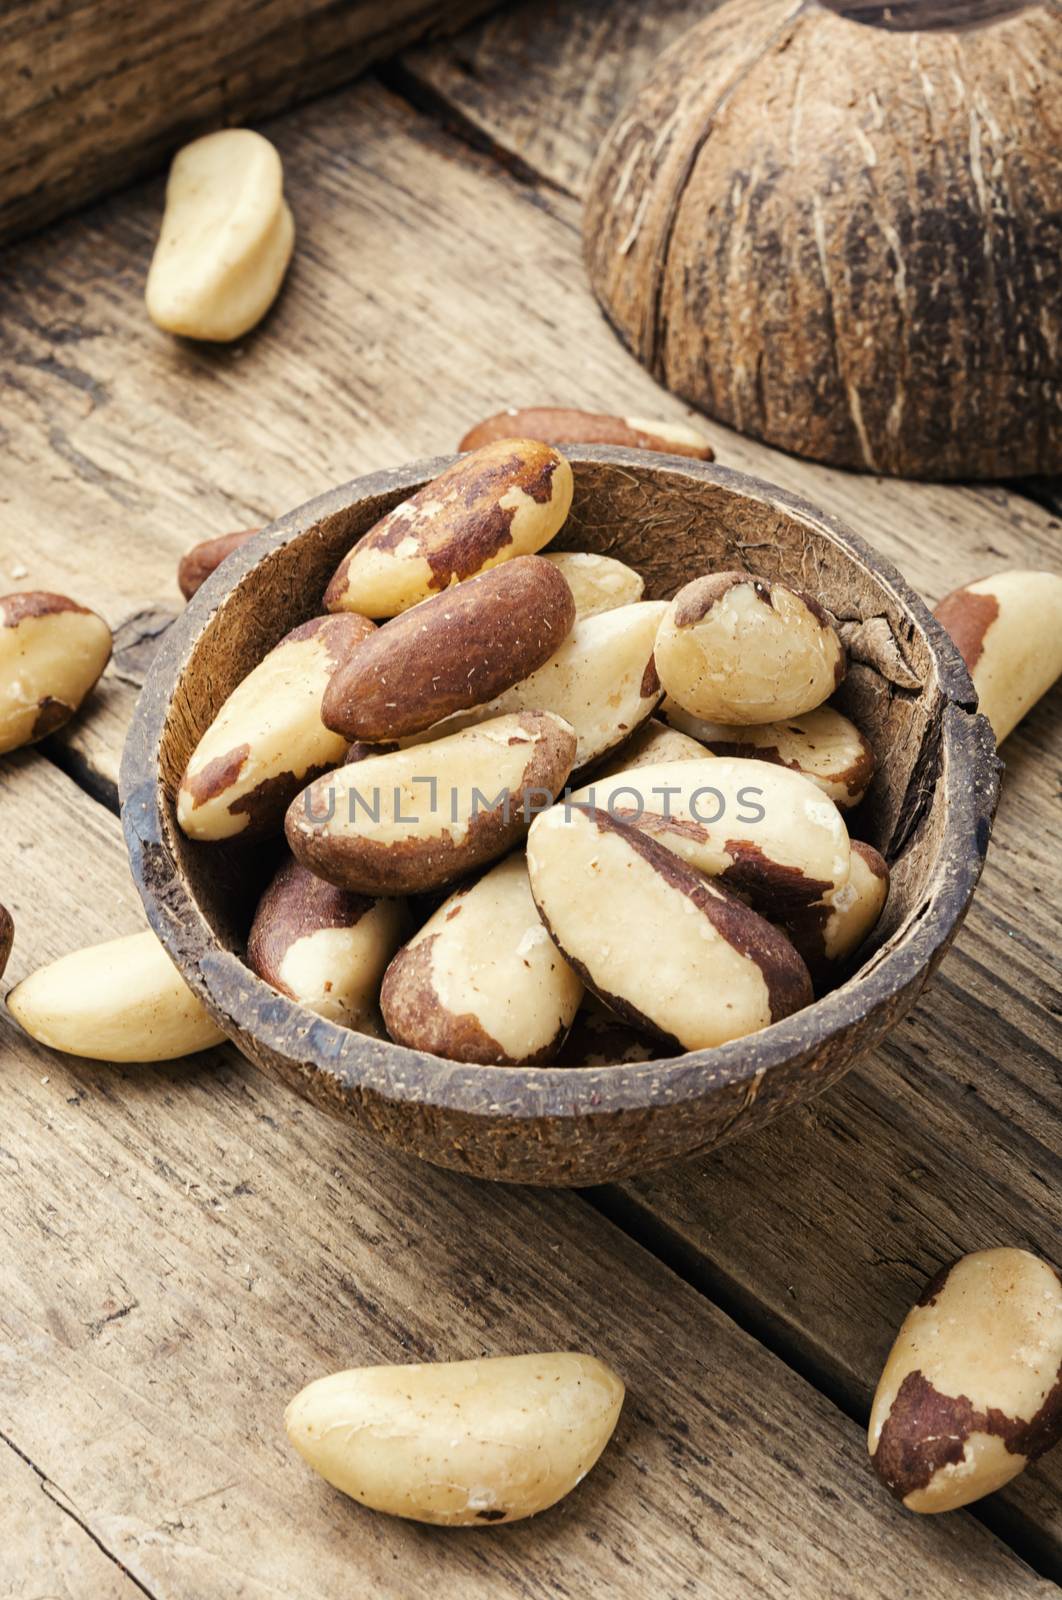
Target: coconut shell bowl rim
351,1072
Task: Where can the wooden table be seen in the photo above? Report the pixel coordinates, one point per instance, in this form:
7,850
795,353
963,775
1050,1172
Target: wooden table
185,1246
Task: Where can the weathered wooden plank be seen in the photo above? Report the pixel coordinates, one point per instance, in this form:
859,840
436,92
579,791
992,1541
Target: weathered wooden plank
978,1062
95,94
822,1230
544,83
47,1555
124,446
184,1246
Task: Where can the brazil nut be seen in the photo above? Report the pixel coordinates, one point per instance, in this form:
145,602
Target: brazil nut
482,980
609,893
452,652
507,499
418,818
735,648
268,739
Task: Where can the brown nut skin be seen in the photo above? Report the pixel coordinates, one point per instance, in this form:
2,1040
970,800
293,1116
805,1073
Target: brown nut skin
602,681
1008,629
421,836
833,928
452,652
767,834
972,1389
482,981
567,425
735,648
822,744
267,740
197,563
506,500
323,946
7,937
660,944
600,1038
52,653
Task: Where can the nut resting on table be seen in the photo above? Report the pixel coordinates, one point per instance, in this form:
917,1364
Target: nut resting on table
972,1388
460,1443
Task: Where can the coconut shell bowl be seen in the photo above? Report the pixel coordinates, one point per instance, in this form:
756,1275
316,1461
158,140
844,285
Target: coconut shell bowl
836,225
929,811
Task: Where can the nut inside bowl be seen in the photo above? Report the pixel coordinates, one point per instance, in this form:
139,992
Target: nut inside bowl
929,812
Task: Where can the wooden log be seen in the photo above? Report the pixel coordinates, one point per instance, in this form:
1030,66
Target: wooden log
185,1246
96,94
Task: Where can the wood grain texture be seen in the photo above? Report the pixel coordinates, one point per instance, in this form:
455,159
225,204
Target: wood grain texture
946,1143
193,1244
97,93
496,78
47,1554
121,449
124,446
947,1140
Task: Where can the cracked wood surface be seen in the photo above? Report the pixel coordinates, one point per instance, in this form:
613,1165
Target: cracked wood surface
193,1244
121,448
46,1552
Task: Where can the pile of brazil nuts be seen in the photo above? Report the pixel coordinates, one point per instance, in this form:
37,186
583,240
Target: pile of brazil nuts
502,775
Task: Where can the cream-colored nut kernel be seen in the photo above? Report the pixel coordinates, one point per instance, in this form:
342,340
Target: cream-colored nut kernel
598,583
419,818
268,739
972,1389
324,947
735,648
508,499
656,941
461,1443
766,833
226,239
833,928
648,746
454,651
602,681
7,937
482,980
822,744
1009,632
204,558
565,425
119,1001
52,652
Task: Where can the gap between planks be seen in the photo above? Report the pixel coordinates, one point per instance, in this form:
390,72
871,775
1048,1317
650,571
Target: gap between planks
119,696
636,1219
63,1505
